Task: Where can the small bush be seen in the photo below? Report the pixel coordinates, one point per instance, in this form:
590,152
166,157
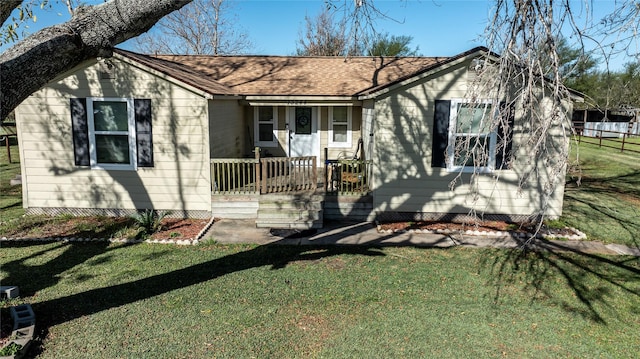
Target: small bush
11,349
150,221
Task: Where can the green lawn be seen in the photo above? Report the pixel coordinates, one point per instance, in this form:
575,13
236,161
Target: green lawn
10,196
100,300
212,301
602,196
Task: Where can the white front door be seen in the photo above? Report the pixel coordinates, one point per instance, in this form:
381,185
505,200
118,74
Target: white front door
304,138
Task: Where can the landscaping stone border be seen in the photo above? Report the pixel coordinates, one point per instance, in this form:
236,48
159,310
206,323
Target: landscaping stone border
190,241
542,234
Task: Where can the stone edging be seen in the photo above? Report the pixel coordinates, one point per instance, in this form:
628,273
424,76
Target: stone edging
543,234
190,241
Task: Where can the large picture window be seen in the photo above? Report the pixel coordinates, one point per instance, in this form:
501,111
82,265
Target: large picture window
340,126
266,126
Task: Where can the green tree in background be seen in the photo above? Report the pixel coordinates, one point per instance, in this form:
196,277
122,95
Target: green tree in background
392,45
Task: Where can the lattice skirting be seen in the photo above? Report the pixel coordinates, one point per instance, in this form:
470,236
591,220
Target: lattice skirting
454,217
110,212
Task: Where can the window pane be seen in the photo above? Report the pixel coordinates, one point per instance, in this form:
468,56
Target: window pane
471,150
473,118
110,116
265,132
340,114
265,114
303,120
112,149
340,133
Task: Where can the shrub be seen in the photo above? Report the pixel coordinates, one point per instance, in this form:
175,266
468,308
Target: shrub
150,221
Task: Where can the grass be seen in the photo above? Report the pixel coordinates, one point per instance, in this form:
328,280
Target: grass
10,196
602,196
101,300
150,301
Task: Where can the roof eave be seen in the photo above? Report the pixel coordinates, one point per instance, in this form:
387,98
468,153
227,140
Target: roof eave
372,93
195,89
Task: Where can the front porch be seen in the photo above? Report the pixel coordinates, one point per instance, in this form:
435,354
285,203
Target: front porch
290,192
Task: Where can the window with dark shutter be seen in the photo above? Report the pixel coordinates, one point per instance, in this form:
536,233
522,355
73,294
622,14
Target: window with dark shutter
112,133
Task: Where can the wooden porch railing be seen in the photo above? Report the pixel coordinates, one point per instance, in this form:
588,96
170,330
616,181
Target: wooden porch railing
263,175
235,176
288,174
348,177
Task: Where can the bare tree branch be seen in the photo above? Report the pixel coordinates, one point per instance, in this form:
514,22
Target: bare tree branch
202,27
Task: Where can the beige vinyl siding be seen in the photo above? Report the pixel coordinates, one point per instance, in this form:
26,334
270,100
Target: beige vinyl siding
180,178
403,178
228,130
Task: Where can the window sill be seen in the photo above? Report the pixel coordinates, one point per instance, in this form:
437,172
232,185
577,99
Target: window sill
339,145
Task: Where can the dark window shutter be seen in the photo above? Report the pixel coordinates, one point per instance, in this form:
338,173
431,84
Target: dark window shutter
144,141
80,131
505,137
440,133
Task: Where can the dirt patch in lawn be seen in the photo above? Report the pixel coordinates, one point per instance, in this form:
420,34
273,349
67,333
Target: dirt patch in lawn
180,228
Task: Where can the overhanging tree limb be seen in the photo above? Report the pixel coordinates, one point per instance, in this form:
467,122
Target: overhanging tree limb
93,31
6,7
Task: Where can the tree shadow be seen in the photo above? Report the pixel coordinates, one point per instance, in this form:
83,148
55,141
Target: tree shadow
67,308
539,268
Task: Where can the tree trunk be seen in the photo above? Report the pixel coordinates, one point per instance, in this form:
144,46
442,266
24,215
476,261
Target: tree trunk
92,32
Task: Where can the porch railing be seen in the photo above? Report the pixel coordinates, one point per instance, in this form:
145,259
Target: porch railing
288,174
235,176
348,176
263,175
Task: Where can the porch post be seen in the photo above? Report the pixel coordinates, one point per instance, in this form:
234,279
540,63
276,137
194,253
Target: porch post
256,152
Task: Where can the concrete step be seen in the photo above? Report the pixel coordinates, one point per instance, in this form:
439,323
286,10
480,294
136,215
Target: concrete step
291,205
235,208
301,224
294,214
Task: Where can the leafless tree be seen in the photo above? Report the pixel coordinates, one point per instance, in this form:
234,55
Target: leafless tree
204,27
323,35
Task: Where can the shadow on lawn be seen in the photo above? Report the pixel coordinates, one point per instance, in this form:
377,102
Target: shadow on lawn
589,277
67,308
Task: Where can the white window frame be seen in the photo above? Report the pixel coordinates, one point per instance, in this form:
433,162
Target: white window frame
131,133
453,116
256,127
349,142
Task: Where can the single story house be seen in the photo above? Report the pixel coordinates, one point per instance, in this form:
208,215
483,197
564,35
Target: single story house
287,140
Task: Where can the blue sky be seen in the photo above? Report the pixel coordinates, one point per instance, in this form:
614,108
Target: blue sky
438,27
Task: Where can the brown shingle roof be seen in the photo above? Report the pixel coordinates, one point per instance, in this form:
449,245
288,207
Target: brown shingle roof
288,75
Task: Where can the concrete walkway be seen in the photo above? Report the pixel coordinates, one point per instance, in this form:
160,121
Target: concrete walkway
364,233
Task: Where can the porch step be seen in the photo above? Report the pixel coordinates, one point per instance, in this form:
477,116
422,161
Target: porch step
234,207
358,208
294,211
300,224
